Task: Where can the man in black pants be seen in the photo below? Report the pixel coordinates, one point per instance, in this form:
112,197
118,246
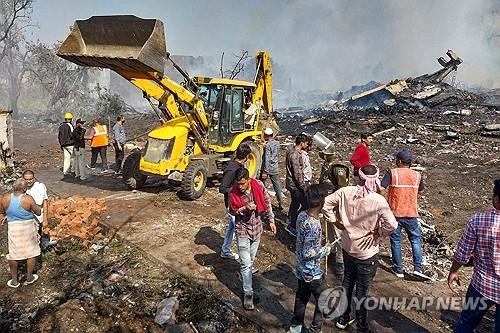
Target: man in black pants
119,140
310,253
365,217
295,181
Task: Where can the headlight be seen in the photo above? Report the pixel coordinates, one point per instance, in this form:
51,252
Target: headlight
157,150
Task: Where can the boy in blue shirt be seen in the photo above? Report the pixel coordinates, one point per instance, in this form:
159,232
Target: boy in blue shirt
309,253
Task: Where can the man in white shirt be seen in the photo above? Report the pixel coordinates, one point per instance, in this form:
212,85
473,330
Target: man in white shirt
39,193
250,112
308,172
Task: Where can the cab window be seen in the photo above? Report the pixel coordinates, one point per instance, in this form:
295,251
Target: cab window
237,119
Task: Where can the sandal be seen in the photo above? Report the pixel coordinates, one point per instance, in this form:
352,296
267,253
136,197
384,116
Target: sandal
35,277
9,283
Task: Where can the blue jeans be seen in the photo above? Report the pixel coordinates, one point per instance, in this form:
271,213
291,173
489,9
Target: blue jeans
410,224
247,249
228,238
470,318
275,180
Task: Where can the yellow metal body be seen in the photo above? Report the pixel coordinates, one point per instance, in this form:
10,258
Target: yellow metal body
178,128
264,92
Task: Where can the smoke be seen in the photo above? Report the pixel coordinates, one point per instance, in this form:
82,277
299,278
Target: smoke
339,43
328,44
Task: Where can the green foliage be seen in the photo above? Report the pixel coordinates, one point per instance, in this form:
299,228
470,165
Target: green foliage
109,105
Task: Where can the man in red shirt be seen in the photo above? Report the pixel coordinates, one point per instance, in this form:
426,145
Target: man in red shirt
361,155
250,204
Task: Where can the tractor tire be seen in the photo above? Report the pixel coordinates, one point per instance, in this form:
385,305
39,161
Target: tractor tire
132,175
194,181
254,162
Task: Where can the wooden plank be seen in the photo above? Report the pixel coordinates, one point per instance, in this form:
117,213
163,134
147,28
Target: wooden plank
368,92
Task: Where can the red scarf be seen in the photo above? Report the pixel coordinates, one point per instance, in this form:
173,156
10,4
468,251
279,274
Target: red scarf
237,199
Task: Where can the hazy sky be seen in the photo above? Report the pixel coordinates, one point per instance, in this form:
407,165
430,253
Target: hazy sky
329,44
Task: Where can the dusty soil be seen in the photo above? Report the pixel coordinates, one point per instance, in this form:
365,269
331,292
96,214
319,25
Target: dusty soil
183,240
116,289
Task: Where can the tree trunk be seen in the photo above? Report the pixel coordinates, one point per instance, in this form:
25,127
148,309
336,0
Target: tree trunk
16,74
13,99
6,141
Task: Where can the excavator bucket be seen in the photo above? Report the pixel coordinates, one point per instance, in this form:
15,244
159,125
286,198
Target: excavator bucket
121,42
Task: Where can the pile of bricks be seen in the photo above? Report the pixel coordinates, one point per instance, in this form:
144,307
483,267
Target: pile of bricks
75,216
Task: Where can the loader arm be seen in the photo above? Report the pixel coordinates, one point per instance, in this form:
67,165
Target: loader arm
264,81
135,48
171,94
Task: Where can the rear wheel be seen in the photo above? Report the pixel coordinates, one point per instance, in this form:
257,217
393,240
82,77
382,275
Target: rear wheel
132,175
254,160
194,180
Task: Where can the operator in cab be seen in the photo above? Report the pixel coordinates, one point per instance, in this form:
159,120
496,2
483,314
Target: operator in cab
250,112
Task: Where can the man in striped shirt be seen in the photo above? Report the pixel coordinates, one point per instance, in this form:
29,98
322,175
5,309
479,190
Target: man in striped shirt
481,242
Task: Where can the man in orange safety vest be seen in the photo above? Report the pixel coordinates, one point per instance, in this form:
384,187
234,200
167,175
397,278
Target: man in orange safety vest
99,141
404,185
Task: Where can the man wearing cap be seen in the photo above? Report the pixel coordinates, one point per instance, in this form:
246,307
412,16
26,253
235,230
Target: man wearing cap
79,150
270,167
404,185
66,143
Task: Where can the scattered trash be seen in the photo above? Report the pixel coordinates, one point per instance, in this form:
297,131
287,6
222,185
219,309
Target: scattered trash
428,91
97,246
165,312
310,121
390,102
492,127
463,112
411,141
47,242
451,135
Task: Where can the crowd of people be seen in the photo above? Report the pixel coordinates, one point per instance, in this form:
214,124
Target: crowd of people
25,208
360,215
72,141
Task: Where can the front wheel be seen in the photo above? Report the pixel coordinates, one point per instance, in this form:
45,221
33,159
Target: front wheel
194,180
132,175
254,161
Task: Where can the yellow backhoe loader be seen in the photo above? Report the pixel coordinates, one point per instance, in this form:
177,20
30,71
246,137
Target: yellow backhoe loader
203,121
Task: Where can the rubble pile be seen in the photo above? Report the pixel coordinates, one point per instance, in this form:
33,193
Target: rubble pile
75,216
418,94
436,247
10,174
427,94
451,132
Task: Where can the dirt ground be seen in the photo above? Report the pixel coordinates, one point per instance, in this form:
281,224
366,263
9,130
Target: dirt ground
171,247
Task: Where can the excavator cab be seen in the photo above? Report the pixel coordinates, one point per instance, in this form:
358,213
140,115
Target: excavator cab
225,111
